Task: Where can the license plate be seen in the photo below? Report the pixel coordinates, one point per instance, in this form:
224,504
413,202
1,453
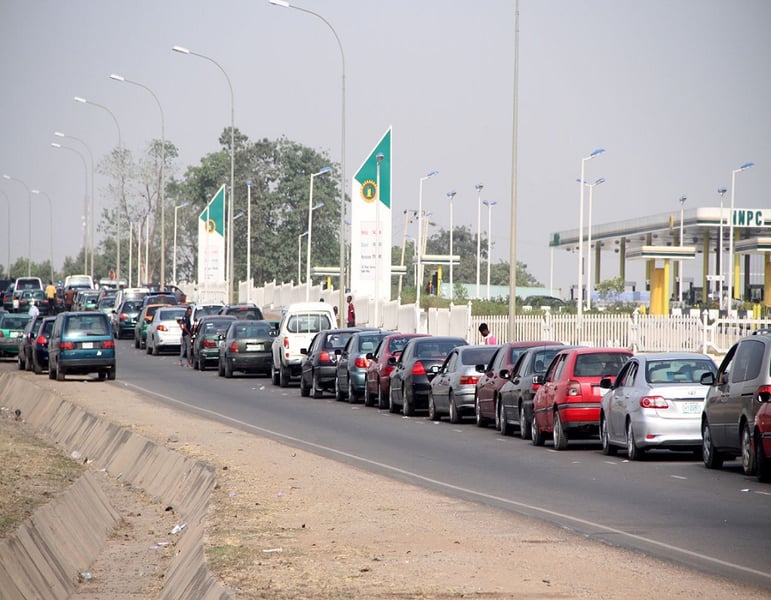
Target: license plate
87,345
692,408
255,347
16,304
15,334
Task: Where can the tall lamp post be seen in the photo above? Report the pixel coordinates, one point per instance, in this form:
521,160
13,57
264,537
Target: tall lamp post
419,249
122,200
451,197
89,208
161,191
731,291
580,300
721,275
176,208
299,256
489,206
680,265
29,224
50,229
8,229
478,188
131,249
231,203
311,208
285,4
85,200
589,286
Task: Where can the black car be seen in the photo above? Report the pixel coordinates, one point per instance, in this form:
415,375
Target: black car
352,364
243,311
124,319
205,342
247,348
38,345
412,374
26,341
516,403
319,367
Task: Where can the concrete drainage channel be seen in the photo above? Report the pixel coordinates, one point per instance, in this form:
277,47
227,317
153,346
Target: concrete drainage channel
43,557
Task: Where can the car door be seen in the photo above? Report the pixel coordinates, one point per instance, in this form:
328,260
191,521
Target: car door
440,386
485,389
310,357
621,397
399,373
545,398
716,407
746,370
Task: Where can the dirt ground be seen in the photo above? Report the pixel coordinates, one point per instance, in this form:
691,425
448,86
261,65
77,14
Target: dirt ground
284,523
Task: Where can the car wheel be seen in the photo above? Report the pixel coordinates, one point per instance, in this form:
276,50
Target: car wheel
60,374
20,362
27,362
762,462
480,420
748,456
274,375
353,397
392,406
454,412
560,435
338,392
221,368
136,342
317,391
367,396
36,367
432,408
407,409
304,390
283,376
156,349
709,454
608,449
536,437
524,424
503,426
148,347
112,374
228,368
102,375
202,364
51,371
381,400
633,451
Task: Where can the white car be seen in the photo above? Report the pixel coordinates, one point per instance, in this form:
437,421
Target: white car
164,331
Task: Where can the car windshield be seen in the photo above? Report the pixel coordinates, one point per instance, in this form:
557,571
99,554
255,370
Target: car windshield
599,364
86,325
337,340
46,328
244,312
397,344
202,311
477,356
368,343
216,326
542,358
171,314
132,306
677,370
308,323
436,349
251,330
14,321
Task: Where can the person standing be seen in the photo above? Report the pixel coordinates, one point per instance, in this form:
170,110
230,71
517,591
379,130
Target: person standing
185,325
51,297
487,337
351,318
69,297
34,311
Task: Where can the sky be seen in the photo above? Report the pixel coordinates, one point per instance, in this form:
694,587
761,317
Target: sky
677,93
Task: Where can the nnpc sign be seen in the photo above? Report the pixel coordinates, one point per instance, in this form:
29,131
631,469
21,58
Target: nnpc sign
748,217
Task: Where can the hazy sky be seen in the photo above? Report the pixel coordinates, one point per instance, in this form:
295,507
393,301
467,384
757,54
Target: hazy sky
677,92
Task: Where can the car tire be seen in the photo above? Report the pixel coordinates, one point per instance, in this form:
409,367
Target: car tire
524,424
711,457
304,390
27,362
156,349
608,449
36,368
408,410
221,368
51,371
560,435
136,343
432,414
392,406
762,462
381,401
454,412
227,368
480,420
102,375
283,376
633,451
315,389
367,396
748,455
148,347
20,362
112,373
504,428
537,438
202,364
353,397
274,375
339,397
60,374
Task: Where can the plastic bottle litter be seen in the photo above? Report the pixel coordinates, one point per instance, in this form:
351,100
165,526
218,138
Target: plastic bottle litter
178,528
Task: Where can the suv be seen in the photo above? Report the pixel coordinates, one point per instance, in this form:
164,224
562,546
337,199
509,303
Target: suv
243,311
22,285
736,393
81,343
300,323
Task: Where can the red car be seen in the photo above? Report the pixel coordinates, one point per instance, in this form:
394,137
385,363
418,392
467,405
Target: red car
377,385
568,402
487,394
762,437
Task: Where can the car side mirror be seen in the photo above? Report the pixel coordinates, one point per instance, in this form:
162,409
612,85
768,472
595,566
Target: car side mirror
391,361
538,379
606,383
369,356
479,368
303,351
503,374
707,379
338,352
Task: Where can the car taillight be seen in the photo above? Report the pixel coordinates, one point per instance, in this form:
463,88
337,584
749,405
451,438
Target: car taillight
324,356
123,317
234,347
574,388
418,368
469,379
2,335
286,342
162,328
41,340
66,346
653,402
209,344
388,370
361,362
764,393
108,344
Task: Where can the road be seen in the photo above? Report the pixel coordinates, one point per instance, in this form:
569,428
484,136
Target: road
668,506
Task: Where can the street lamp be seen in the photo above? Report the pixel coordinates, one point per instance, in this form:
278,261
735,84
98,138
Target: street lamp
122,201
147,248
589,286
731,291
231,203
419,250
161,191
284,4
311,208
451,196
489,206
721,275
248,240
89,210
580,301
176,208
680,266
50,229
29,224
299,255
8,228
131,249
478,188
85,200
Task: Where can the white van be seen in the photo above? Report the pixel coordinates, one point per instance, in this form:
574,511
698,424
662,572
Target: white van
299,324
79,282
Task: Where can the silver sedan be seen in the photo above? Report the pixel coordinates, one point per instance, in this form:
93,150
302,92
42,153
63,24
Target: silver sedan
655,402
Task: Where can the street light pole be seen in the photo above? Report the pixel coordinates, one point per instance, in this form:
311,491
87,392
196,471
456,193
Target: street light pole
85,201
131,249
299,256
176,208
29,225
161,191
248,240
419,250
8,229
731,216
489,206
589,285
721,275
451,196
478,188
285,4
50,229
580,301
231,203
147,248
311,208
680,266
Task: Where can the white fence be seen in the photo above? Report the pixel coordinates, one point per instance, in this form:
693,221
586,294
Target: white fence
690,332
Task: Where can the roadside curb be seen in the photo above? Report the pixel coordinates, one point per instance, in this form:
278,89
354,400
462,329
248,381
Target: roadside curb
65,536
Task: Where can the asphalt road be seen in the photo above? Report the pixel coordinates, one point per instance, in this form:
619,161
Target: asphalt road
668,505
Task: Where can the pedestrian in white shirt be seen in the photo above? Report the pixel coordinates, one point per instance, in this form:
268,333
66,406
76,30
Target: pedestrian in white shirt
34,311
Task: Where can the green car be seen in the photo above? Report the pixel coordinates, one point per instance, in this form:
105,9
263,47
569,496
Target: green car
11,328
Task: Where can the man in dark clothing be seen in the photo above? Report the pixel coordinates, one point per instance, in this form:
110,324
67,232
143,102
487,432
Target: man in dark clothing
69,297
184,343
